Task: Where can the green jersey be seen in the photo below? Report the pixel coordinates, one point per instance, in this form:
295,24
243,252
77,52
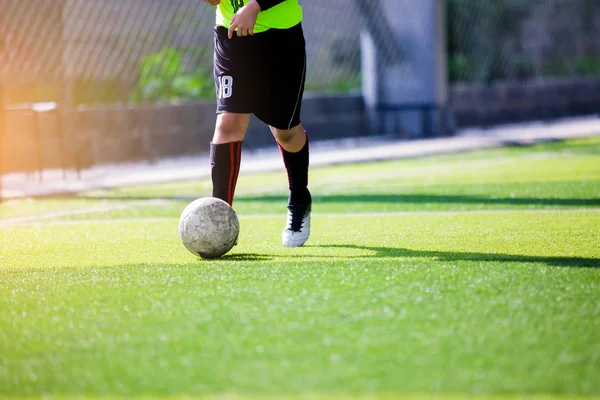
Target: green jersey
282,16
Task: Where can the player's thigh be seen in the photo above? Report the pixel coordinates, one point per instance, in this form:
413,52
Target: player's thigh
284,64
233,81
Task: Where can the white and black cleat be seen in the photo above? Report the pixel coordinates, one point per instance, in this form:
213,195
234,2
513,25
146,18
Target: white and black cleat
297,229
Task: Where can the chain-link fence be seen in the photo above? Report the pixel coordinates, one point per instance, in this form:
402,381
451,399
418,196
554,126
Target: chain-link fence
115,51
514,40
101,58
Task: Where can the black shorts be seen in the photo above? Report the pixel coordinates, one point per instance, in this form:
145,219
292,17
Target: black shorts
262,74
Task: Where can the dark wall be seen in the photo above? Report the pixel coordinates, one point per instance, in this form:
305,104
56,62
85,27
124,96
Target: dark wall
481,104
119,134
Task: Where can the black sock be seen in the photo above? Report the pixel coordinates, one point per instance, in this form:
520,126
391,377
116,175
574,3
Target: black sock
296,165
224,169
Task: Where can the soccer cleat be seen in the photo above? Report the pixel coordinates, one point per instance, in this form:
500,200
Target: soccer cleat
297,230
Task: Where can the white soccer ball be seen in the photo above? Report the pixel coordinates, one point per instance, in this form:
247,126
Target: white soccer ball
209,227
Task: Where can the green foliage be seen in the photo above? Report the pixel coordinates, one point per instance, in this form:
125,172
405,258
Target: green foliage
458,67
589,66
162,79
487,42
337,82
478,34
586,66
338,66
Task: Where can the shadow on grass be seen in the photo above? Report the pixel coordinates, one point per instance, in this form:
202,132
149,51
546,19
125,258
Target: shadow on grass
396,252
389,198
431,198
391,253
244,257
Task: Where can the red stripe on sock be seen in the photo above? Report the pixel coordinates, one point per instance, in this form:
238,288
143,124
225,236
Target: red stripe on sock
231,173
281,150
237,163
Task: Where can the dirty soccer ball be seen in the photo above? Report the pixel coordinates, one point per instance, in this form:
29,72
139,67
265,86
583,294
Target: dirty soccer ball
208,227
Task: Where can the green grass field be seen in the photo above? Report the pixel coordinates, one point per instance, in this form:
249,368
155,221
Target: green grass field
473,274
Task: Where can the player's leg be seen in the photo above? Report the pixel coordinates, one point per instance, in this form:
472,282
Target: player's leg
279,106
226,153
233,89
293,144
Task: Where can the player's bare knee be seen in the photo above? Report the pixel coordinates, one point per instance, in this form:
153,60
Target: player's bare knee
283,136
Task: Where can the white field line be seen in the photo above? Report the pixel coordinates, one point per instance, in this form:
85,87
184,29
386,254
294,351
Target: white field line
45,222
83,211
403,172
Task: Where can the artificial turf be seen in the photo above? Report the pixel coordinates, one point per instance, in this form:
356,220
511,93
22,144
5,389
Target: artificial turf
437,277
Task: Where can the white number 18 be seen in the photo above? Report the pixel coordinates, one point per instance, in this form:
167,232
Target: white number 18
225,86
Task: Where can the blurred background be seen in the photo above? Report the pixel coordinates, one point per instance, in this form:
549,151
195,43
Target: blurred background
89,82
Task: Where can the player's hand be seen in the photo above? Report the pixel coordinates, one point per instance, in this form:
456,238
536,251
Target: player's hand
213,2
245,19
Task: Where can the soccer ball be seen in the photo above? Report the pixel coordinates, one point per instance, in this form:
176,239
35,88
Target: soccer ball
209,227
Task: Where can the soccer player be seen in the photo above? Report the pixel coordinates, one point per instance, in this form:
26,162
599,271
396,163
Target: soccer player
259,68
